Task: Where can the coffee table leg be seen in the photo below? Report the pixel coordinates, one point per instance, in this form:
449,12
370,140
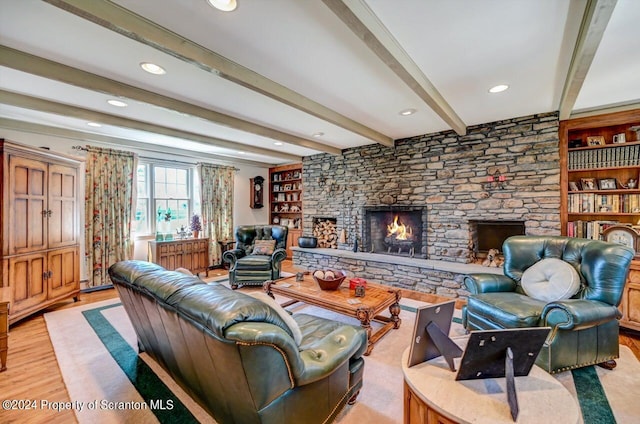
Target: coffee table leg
394,309
266,287
364,315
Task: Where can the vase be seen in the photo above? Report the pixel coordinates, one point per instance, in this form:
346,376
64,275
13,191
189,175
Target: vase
196,233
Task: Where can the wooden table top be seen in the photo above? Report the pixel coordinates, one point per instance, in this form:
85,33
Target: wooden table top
377,297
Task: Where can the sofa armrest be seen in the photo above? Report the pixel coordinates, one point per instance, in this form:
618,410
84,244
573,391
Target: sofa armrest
487,283
278,256
577,314
232,256
308,365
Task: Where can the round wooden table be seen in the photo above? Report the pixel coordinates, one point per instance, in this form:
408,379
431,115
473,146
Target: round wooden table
432,395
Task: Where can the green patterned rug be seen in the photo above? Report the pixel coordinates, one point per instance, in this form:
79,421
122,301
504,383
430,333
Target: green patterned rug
127,387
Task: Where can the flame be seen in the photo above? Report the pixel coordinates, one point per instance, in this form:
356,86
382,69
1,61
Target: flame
401,231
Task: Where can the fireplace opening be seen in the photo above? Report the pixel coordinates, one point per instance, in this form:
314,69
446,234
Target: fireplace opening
395,231
487,235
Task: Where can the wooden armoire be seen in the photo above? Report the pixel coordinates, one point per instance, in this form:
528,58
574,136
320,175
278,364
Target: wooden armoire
40,228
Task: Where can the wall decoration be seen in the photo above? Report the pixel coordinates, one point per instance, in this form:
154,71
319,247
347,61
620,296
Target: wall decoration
256,192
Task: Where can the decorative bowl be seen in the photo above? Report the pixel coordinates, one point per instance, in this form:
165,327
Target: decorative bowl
309,242
331,284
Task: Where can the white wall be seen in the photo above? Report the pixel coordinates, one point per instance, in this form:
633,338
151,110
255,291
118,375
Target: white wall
242,213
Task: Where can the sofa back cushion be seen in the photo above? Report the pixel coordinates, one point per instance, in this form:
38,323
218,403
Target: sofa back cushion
602,266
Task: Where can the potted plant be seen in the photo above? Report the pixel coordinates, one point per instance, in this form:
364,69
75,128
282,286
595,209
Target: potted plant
196,225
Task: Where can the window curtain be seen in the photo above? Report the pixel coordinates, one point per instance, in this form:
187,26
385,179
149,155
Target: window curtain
216,199
110,200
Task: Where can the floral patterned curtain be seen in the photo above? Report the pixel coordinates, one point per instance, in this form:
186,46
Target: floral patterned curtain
110,200
216,198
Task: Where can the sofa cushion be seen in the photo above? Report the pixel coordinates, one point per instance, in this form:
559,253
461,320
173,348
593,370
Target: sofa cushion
264,247
286,317
256,262
550,279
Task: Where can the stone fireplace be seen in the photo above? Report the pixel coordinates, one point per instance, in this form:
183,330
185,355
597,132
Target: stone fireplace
395,230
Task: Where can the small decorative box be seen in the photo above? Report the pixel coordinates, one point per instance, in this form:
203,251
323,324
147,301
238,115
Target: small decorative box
357,282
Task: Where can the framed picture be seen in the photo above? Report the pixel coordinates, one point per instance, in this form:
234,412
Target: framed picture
588,183
573,186
287,187
595,140
607,184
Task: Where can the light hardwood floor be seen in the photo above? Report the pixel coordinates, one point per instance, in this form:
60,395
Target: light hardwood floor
33,372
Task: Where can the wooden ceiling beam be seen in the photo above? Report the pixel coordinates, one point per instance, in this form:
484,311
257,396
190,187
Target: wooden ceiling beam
594,23
46,68
361,20
118,19
34,103
81,136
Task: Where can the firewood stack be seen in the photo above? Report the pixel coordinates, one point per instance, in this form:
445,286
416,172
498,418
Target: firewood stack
326,233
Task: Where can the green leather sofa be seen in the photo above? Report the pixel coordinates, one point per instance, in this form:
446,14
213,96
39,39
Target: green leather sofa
584,328
245,268
233,353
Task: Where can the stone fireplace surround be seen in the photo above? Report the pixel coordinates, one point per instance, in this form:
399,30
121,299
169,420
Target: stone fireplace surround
447,175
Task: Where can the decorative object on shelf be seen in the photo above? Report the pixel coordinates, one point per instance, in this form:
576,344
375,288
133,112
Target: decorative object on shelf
495,180
307,242
575,143
595,140
607,184
588,183
619,138
276,219
256,191
636,129
573,186
182,233
624,235
632,183
195,225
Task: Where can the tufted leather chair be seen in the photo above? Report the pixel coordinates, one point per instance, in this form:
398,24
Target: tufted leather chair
234,355
584,329
248,269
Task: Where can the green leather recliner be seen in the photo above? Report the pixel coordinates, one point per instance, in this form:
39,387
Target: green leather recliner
246,268
234,354
584,329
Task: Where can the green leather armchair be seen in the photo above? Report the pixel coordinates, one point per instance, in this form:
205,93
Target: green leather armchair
246,268
235,355
584,328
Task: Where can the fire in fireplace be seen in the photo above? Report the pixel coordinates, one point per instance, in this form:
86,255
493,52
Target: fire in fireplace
395,230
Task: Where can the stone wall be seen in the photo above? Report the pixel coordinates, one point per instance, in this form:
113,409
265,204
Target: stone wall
448,174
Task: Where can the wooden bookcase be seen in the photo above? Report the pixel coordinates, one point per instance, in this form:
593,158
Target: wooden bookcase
586,210
285,201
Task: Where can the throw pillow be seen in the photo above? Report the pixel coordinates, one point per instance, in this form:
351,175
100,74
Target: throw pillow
284,315
264,247
550,280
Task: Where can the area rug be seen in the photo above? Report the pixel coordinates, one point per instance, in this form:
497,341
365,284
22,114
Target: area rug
108,382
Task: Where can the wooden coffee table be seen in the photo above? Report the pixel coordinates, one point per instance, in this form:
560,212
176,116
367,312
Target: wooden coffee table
377,298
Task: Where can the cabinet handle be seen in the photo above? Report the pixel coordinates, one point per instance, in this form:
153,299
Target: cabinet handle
44,213
49,274
49,213
45,275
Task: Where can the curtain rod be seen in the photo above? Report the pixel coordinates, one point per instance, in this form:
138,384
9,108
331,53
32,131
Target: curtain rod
157,159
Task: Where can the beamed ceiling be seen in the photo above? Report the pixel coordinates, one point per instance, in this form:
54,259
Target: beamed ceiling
277,80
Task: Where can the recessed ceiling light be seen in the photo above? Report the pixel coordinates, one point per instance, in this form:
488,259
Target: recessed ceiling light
498,88
117,103
241,153
407,112
224,5
318,134
152,68
94,124
278,143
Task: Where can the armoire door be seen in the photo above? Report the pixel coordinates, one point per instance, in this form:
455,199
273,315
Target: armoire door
62,271
62,206
27,276
27,205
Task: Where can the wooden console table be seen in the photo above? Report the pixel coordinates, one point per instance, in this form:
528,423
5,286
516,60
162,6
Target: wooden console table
433,396
192,254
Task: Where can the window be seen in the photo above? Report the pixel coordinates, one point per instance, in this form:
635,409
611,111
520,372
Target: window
166,197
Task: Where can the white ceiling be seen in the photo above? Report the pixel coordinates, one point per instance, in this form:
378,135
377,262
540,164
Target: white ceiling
306,70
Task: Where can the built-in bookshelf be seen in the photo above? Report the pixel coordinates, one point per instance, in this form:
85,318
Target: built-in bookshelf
285,203
600,173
